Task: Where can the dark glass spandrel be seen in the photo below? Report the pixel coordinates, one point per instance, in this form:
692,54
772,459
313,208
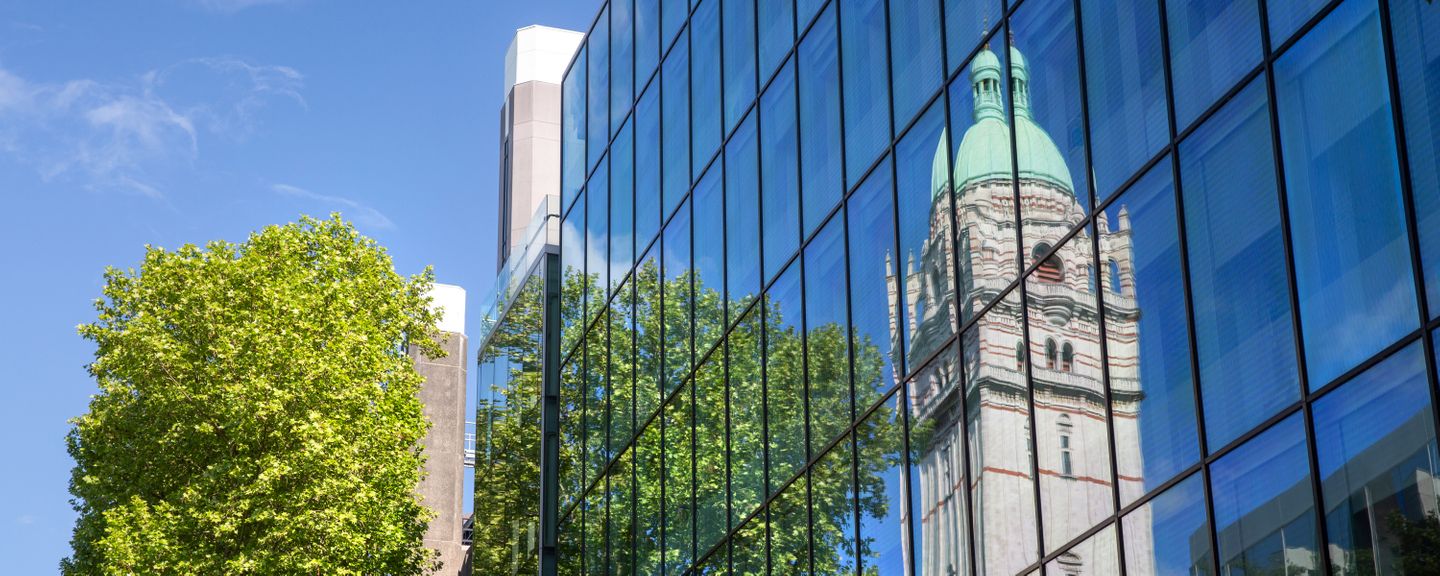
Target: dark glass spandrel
598,48
1264,509
1169,534
1243,336
647,40
776,19
621,537
738,21
705,97
1213,44
924,265
649,476
884,496
678,301
790,530
818,72
679,489
966,24
675,123
622,204
832,500
1417,67
1342,180
647,167
870,217
916,56
1375,442
779,172
1049,129
1001,467
983,188
622,61
1152,396
827,348
711,514
1095,556
597,238
867,86
709,273
1287,16
1071,432
742,218
572,130
785,378
1125,81
747,418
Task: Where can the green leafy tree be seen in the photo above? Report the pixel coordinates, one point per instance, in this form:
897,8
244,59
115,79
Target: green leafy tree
257,411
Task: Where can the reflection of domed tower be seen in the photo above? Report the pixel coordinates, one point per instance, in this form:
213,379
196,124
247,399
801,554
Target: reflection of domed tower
1072,437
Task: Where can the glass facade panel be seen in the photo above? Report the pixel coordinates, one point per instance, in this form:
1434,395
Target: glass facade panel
1152,398
790,530
742,217
776,19
832,500
597,239
649,507
1352,255
779,173
1287,16
678,305
1375,438
649,351
572,261
622,373
819,99
749,549
739,25
597,399
621,535
675,123
1169,534
827,366
1213,44
1244,344
1125,77
679,489
672,18
1415,24
1095,555
966,24
647,40
622,61
647,167
925,265
598,111
747,415
711,515
705,96
867,87
622,204
916,58
709,269
785,378
572,130
870,218
884,496
1049,132
1264,510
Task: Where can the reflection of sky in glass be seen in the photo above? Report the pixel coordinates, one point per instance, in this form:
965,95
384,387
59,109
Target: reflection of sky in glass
1367,409
1259,471
1174,521
1045,35
871,221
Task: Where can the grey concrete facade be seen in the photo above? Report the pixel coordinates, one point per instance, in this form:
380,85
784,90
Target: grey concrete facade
442,489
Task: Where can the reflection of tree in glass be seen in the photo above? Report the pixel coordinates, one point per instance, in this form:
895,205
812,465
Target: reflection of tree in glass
639,323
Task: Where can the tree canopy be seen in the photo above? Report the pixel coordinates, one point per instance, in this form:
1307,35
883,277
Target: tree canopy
257,411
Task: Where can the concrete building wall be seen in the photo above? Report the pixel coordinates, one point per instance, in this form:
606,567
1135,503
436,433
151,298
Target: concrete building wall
443,395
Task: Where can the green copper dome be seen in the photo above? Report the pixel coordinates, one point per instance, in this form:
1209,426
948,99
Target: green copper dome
984,152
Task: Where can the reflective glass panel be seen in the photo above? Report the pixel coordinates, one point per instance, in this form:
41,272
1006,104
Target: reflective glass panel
1169,534
1095,556
572,262
828,365
622,372
572,431
739,42
1070,428
1125,80
711,516
1237,269
748,549
790,532
705,86
998,415
672,18
1049,132
819,85
647,167
832,499
597,239
570,551
747,416
883,493
870,216
916,56
1151,392
777,33
867,89
966,24
1264,511
1287,16
784,377
1417,65
649,351
596,545
1375,438
779,172
709,200
679,491
572,130
1352,254
647,40
925,264
622,60
597,398
622,204
1213,43
675,105
984,191
598,47
677,290
622,519
649,475
742,217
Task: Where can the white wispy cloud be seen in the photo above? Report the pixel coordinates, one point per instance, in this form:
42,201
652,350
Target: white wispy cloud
358,212
233,6
115,135
25,520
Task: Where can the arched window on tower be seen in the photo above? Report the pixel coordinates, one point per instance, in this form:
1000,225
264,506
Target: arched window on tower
1050,354
1115,276
1051,270
1067,464
1067,357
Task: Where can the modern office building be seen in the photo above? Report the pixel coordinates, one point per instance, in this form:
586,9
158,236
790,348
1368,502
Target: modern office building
944,287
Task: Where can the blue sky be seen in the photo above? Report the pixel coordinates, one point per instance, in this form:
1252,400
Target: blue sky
167,122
